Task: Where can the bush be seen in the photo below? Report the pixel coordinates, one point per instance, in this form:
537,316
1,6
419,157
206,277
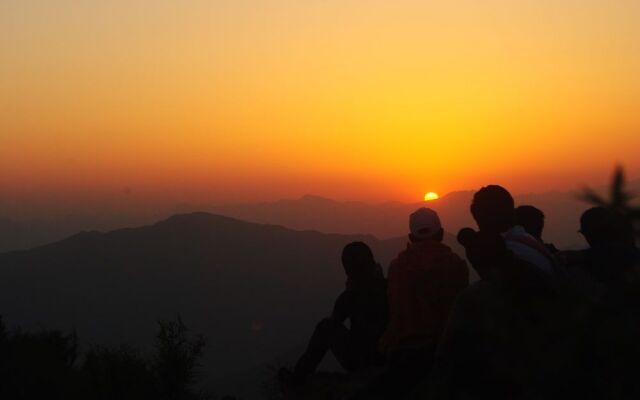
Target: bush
177,360
42,364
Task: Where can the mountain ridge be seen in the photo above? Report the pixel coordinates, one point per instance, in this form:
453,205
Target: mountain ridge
314,212
254,290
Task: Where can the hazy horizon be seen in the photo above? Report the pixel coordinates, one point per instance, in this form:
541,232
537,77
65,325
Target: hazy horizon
129,201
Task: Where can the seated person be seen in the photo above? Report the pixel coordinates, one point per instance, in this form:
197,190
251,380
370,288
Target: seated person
424,281
499,330
364,304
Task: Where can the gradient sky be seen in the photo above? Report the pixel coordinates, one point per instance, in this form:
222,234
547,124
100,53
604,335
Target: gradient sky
256,100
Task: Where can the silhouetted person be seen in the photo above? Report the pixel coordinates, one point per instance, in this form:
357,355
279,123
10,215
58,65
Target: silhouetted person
532,220
601,226
612,251
465,236
364,304
482,250
607,275
494,211
423,283
495,336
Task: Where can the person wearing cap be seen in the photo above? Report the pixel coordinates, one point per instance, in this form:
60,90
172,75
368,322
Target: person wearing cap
607,276
423,282
612,252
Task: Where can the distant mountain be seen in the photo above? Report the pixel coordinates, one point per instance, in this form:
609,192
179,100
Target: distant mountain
386,220
12,235
255,291
20,234
325,215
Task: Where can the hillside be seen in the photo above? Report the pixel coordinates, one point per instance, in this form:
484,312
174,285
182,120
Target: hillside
255,291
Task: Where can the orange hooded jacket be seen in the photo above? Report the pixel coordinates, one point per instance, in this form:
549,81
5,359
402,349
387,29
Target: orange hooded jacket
423,282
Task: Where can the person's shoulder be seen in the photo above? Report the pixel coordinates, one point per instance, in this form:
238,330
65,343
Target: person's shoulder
393,268
404,257
515,231
449,258
395,261
456,258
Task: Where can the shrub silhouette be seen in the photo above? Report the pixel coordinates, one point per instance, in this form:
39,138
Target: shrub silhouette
38,364
177,359
620,199
42,364
117,374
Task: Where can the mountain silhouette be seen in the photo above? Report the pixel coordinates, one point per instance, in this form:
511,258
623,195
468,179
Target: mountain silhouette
388,220
325,215
384,220
255,291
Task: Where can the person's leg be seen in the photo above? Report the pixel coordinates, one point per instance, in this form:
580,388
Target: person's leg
346,349
328,335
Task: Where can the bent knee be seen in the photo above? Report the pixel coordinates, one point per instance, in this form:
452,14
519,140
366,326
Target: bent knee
327,324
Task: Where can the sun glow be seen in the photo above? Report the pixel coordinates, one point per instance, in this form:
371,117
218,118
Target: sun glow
275,99
431,196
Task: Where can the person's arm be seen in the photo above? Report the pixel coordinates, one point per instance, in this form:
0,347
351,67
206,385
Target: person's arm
341,309
456,280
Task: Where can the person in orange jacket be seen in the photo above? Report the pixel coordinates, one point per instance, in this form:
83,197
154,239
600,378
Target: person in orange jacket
423,282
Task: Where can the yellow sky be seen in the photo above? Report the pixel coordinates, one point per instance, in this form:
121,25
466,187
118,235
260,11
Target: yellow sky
243,100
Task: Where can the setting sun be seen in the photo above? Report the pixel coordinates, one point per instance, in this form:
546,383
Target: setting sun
431,196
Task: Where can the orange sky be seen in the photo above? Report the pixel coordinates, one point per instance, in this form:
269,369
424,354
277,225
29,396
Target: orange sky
371,100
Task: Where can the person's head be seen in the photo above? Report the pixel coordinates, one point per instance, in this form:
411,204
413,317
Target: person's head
424,224
487,252
465,236
358,261
600,226
531,219
493,209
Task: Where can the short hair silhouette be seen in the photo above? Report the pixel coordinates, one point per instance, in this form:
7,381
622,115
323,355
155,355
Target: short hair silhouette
531,219
493,209
465,236
358,260
600,225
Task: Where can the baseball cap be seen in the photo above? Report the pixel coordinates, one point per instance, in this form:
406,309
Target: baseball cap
424,223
